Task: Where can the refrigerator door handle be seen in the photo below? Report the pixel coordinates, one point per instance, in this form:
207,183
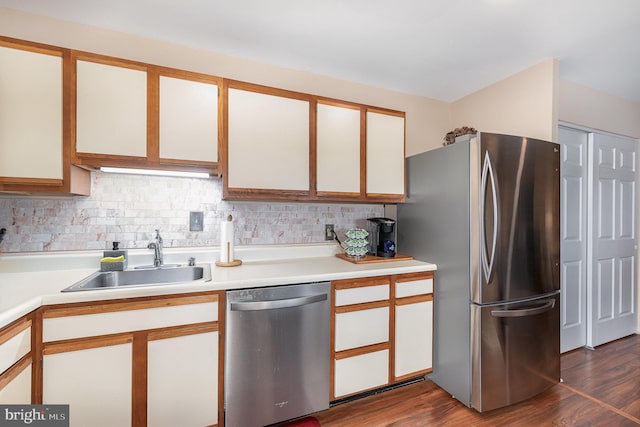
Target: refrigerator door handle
488,176
532,311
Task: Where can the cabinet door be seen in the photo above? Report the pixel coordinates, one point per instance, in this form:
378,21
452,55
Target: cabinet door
385,155
188,364
30,114
360,373
268,142
16,389
111,109
338,149
188,120
413,338
95,382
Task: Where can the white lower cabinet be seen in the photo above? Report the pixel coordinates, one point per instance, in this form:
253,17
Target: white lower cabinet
147,362
413,335
15,361
182,387
382,332
17,390
94,382
362,372
414,344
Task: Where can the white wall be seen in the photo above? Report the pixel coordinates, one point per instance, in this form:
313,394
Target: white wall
586,107
427,119
522,104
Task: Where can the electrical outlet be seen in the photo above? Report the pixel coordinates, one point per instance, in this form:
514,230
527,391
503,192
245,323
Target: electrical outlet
196,220
328,232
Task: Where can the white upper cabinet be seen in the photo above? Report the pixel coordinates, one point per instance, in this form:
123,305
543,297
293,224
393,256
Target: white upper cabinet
188,120
268,141
31,120
111,109
338,149
385,154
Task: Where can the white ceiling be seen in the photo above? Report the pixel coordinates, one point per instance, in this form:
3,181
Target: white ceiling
442,49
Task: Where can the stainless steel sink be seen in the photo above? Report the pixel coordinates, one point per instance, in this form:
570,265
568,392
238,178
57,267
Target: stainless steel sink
142,277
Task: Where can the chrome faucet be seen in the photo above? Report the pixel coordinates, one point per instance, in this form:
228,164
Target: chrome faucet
157,249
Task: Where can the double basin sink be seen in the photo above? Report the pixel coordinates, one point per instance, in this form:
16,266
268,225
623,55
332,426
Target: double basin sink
142,277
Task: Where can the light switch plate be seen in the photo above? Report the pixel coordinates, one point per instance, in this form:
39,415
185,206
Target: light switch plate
196,220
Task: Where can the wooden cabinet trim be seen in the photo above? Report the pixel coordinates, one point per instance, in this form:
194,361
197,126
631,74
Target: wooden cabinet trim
78,55
31,46
313,147
386,111
267,90
14,329
338,103
414,299
182,330
75,344
362,306
412,375
361,350
363,152
16,369
36,351
153,115
359,283
77,309
187,75
139,379
409,277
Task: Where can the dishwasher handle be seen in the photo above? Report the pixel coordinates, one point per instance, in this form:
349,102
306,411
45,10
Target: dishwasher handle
278,303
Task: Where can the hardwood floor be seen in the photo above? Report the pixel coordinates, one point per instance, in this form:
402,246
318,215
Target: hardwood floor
600,388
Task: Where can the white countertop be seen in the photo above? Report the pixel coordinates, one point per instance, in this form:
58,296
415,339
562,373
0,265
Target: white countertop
28,281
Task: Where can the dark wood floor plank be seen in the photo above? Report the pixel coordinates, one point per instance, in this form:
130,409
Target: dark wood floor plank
601,388
610,373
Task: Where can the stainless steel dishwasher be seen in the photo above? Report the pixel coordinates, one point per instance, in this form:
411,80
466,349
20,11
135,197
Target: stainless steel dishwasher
276,353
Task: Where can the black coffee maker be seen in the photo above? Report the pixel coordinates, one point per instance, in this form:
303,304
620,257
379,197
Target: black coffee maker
381,237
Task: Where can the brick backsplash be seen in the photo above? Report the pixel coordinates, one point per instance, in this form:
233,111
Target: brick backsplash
129,208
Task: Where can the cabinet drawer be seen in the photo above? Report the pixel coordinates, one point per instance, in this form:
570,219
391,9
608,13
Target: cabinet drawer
14,345
362,295
360,328
360,373
60,324
414,287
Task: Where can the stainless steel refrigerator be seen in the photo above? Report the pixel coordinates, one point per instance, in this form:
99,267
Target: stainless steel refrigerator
486,211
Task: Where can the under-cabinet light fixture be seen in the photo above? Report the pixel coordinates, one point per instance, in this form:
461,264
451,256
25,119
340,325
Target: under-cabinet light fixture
156,172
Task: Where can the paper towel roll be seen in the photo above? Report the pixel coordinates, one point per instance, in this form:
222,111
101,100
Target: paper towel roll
226,240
